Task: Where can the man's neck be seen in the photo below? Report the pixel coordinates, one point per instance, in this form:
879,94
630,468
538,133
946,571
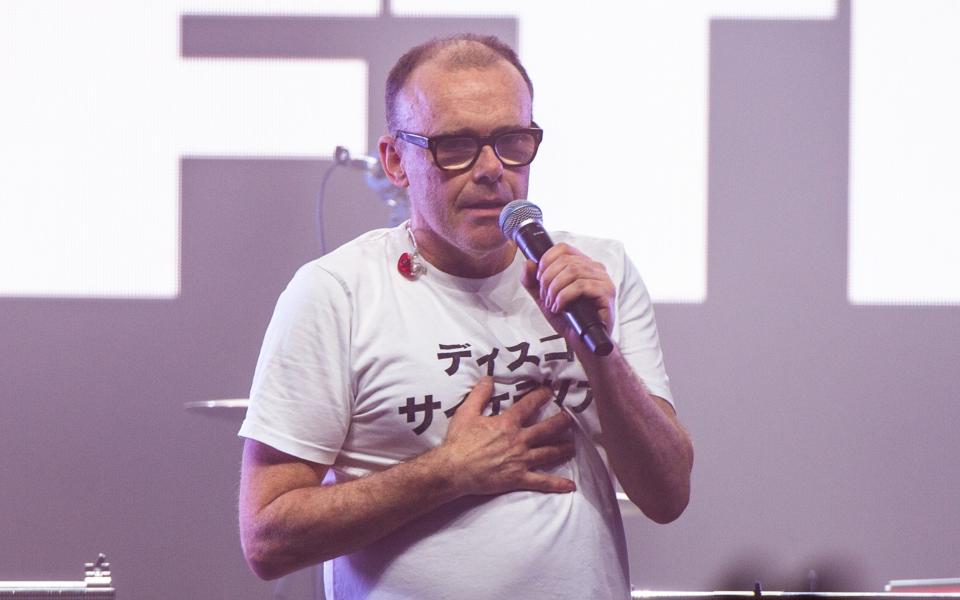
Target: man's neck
463,264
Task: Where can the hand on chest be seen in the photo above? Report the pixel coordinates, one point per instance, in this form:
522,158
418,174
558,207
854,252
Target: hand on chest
428,358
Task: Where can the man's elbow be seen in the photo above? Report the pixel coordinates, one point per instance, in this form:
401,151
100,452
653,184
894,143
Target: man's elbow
261,561
673,495
671,504
265,559
264,569
668,510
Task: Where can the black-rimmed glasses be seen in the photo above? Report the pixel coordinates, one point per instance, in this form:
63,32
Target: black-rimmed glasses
514,148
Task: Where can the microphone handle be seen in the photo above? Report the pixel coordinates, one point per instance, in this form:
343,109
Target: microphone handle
534,241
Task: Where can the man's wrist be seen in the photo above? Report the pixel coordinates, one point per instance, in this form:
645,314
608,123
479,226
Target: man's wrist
440,474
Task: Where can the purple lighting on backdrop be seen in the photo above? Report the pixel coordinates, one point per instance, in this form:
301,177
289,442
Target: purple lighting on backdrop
816,422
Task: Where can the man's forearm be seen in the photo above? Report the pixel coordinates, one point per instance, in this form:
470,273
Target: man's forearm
649,450
289,521
311,524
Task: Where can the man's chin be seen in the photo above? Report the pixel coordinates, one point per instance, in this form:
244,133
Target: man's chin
475,250
485,235
493,247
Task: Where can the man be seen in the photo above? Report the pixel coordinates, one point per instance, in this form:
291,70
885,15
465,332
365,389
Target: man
465,433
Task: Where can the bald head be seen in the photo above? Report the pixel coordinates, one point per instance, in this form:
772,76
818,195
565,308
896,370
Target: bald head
459,52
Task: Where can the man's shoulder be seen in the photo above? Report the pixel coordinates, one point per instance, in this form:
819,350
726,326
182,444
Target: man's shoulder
367,254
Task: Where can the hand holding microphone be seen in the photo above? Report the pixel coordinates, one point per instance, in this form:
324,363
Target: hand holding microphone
521,221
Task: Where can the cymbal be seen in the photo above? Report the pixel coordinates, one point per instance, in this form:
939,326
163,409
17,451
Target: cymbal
218,406
228,405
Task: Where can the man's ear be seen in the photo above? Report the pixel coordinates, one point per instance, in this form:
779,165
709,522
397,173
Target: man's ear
390,160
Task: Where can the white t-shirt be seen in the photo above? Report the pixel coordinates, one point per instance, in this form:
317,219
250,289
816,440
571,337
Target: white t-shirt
361,368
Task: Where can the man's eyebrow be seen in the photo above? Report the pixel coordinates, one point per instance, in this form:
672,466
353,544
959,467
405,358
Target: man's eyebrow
473,132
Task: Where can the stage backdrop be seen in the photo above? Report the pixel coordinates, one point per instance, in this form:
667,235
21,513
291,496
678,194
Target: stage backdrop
783,173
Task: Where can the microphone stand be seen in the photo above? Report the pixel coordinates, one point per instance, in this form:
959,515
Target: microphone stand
373,175
396,198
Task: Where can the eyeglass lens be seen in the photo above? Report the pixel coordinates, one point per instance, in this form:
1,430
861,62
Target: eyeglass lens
513,148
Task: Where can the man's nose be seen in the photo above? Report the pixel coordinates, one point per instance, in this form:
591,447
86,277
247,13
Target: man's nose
488,167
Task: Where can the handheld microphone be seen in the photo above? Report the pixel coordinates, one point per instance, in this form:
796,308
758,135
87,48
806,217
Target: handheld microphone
521,221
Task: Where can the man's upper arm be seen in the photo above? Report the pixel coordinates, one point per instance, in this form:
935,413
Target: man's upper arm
666,406
639,339
267,474
301,399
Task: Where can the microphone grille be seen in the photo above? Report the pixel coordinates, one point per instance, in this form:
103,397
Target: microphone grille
517,213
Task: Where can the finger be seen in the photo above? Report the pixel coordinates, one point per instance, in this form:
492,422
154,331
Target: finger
548,430
578,266
554,454
569,269
541,482
584,279
527,406
558,254
554,254
534,288
594,292
562,259
478,397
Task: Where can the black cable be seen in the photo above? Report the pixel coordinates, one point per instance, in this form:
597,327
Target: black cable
320,202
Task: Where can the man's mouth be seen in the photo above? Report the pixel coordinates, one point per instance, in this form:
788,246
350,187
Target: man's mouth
485,205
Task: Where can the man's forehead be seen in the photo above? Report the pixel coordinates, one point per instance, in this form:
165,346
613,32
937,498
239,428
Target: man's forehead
435,89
